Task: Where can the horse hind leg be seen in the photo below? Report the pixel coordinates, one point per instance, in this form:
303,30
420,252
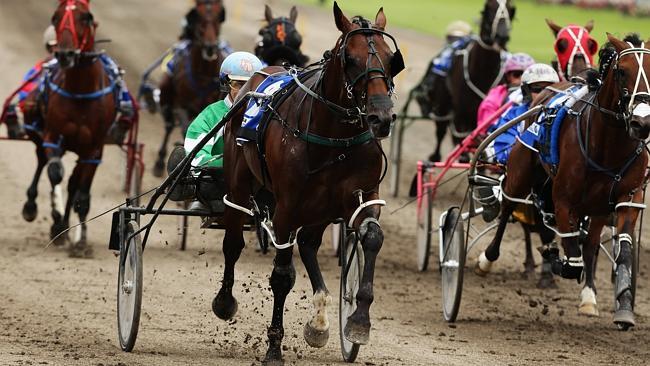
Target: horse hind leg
529,262
316,331
624,304
30,208
441,132
547,236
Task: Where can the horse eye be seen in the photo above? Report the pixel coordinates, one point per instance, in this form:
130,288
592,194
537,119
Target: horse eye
562,45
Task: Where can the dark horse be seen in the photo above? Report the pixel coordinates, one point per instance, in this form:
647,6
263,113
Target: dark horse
280,41
195,81
474,71
322,160
78,107
601,171
574,48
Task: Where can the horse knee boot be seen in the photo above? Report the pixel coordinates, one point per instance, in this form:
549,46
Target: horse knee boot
82,204
489,202
55,171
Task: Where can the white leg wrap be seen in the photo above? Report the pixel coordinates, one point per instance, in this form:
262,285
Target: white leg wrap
321,301
483,263
57,199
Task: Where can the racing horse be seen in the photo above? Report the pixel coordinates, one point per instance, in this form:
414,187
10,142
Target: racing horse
323,161
78,105
279,40
574,47
194,83
601,170
474,71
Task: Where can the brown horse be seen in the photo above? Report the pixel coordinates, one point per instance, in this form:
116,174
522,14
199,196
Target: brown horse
574,47
78,107
322,159
195,82
280,41
474,71
601,171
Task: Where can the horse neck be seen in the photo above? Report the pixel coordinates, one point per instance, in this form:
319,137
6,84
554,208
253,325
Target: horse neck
608,134
483,59
85,77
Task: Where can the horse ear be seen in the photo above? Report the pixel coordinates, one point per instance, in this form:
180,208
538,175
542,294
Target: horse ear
589,26
380,19
342,22
293,15
554,27
617,43
268,13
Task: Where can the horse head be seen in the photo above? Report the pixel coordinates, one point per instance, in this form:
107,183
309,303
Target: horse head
210,15
368,66
574,47
75,30
496,22
629,78
280,41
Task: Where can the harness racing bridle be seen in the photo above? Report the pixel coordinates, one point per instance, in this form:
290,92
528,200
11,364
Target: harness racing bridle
68,23
578,39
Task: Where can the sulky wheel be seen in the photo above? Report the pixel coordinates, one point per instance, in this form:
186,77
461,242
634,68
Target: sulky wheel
452,263
129,287
351,271
423,230
135,186
336,237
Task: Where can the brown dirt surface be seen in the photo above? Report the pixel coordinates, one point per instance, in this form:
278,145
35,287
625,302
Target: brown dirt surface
59,311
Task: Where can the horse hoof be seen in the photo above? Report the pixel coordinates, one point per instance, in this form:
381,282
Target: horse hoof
30,211
483,265
624,319
224,306
357,333
158,169
273,358
588,310
314,337
57,235
546,283
80,249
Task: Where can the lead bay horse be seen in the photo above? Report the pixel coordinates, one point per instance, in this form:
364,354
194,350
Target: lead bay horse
323,158
78,107
601,171
194,83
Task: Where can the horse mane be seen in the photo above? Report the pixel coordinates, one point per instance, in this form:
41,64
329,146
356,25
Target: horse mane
608,53
361,21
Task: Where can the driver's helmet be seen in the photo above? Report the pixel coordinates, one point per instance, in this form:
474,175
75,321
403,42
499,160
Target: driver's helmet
540,73
240,66
458,29
518,62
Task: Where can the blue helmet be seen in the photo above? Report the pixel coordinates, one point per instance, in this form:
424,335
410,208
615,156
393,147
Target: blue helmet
240,66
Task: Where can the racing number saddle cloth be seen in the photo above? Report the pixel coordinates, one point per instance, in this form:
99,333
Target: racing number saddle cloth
256,110
542,136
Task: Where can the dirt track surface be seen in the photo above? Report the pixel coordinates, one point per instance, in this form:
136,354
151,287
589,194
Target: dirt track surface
59,311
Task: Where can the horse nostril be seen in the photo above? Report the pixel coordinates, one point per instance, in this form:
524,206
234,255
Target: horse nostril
394,117
373,119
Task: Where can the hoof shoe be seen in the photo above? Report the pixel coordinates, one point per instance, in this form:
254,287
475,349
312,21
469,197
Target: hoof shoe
314,337
357,333
624,319
588,310
224,306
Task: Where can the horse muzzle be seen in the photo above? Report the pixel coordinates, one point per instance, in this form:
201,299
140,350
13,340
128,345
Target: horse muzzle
66,58
640,121
381,124
210,52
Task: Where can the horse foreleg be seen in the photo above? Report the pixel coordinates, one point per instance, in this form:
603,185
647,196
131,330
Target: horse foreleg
567,222
168,118
316,331
624,304
55,174
282,280
30,209
588,305
357,330
492,252
224,305
79,199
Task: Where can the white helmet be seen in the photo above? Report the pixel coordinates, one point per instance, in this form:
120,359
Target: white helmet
49,36
240,66
458,28
538,73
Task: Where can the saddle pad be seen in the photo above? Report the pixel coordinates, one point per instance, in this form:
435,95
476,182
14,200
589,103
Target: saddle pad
543,135
442,63
255,108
